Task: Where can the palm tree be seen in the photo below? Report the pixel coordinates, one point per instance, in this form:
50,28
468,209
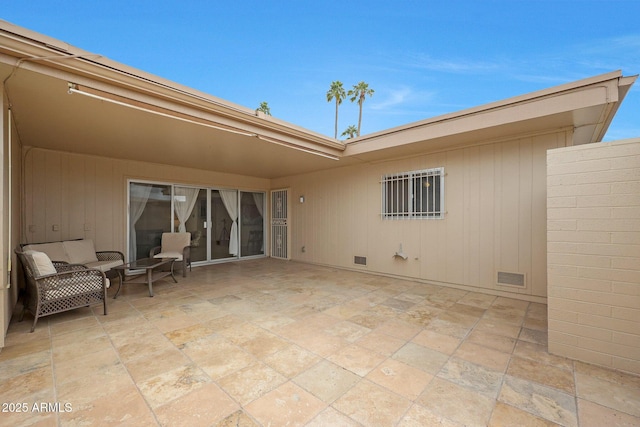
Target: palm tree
336,91
359,92
264,107
350,132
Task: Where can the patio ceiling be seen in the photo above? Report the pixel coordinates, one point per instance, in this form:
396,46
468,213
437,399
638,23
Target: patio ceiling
47,116
137,116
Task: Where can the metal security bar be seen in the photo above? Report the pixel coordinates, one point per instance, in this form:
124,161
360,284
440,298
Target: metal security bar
280,224
415,194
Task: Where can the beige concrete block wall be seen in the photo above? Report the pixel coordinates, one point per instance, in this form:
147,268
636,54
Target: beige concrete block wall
593,259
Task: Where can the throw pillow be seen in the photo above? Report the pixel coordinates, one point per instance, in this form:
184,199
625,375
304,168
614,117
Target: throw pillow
80,251
42,264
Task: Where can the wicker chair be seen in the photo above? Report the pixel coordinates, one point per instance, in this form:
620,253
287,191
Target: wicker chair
70,286
175,245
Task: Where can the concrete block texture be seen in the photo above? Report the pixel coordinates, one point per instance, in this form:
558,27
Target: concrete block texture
593,253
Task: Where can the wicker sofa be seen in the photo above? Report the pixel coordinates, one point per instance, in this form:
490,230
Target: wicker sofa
79,251
71,274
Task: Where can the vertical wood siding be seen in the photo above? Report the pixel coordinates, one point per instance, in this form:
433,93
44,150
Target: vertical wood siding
495,201
85,196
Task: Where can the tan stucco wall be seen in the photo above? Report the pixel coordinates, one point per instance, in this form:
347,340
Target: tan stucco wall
495,198
85,196
594,253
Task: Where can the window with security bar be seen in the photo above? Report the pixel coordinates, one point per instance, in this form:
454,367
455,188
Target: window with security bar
415,194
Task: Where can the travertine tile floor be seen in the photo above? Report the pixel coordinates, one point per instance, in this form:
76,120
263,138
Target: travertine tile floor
275,343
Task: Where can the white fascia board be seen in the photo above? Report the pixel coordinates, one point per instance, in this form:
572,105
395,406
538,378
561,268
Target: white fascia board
597,91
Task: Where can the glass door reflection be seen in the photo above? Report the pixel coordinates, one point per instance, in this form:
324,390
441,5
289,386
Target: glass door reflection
221,227
252,224
196,224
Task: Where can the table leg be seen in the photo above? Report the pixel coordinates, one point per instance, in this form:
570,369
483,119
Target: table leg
150,280
172,276
121,277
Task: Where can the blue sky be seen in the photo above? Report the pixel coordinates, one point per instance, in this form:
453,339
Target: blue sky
422,58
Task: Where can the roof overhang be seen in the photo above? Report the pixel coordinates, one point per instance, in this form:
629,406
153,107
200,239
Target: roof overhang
66,99
585,108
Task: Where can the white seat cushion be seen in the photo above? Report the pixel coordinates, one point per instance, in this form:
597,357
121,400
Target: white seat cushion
176,255
104,266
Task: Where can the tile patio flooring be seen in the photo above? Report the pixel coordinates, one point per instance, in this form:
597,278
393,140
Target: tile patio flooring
274,343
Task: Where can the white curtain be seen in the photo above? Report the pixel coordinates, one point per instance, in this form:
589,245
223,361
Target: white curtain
230,201
258,199
138,200
184,201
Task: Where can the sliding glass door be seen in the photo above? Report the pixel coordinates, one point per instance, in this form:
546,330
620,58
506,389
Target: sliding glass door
149,217
190,209
252,223
224,223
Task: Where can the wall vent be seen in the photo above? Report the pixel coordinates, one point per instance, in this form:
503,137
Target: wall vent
360,260
511,279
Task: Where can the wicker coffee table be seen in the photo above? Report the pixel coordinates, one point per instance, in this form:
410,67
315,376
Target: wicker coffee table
145,270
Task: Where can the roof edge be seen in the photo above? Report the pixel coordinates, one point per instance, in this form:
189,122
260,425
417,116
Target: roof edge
35,47
520,99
